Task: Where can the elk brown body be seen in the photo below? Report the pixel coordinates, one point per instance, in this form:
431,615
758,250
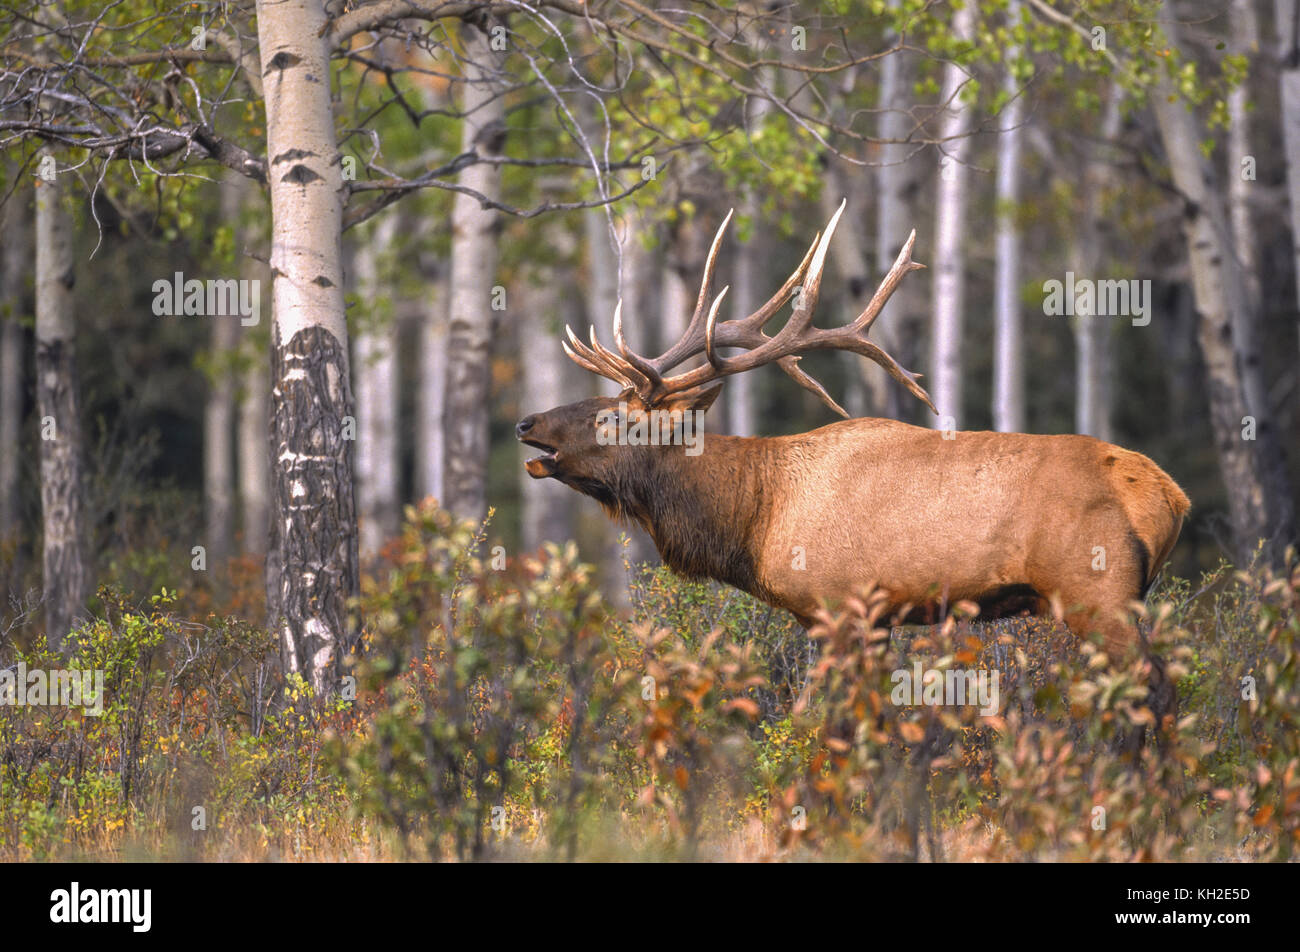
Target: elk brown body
1007,520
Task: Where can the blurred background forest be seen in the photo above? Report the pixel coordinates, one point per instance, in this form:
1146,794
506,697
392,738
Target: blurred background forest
1049,160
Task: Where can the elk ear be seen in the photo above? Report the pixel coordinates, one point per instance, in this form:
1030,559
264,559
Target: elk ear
698,398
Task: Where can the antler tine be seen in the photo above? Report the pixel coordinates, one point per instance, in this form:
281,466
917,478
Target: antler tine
706,283
582,349
580,360
903,264
895,370
764,314
714,359
592,360
794,328
622,368
791,366
574,346
747,331
812,284
652,376
692,340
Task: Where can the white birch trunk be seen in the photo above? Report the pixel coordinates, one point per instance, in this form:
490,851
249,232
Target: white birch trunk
15,245
431,393
219,412
218,443
740,394
949,231
749,273
1245,40
1092,332
547,380
473,276
430,441
635,269
863,391
66,572
898,185
1008,318
252,460
312,563
252,455
376,372
677,297
604,287
1287,23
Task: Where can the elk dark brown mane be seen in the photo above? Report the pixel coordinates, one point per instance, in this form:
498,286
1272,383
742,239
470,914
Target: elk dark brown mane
1008,520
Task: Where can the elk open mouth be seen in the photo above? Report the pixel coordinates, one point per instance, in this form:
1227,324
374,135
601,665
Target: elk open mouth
539,467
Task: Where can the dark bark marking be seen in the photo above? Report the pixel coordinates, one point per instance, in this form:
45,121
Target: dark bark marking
312,562
283,60
292,154
300,175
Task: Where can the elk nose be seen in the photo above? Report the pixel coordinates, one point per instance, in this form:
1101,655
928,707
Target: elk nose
523,426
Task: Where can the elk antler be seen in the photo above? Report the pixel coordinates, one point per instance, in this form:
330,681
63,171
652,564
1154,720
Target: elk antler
704,334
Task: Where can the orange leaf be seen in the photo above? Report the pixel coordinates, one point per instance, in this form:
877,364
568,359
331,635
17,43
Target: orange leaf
912,732
742,704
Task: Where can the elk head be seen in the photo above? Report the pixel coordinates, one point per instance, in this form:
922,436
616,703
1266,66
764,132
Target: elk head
581,447
570,436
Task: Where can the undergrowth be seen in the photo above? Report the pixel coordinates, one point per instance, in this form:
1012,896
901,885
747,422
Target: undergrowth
511,714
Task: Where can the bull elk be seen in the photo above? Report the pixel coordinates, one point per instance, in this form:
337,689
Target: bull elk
1006,520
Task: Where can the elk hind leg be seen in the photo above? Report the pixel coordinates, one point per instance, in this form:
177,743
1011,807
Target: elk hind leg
1122,639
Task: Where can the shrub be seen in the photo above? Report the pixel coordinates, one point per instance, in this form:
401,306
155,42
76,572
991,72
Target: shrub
508,712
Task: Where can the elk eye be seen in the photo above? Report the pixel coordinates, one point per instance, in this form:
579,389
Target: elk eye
606,427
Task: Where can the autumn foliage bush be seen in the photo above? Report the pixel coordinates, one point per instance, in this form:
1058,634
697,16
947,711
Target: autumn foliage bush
508,713
196,743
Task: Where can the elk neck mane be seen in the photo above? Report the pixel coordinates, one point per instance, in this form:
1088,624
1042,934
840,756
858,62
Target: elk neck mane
707,514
